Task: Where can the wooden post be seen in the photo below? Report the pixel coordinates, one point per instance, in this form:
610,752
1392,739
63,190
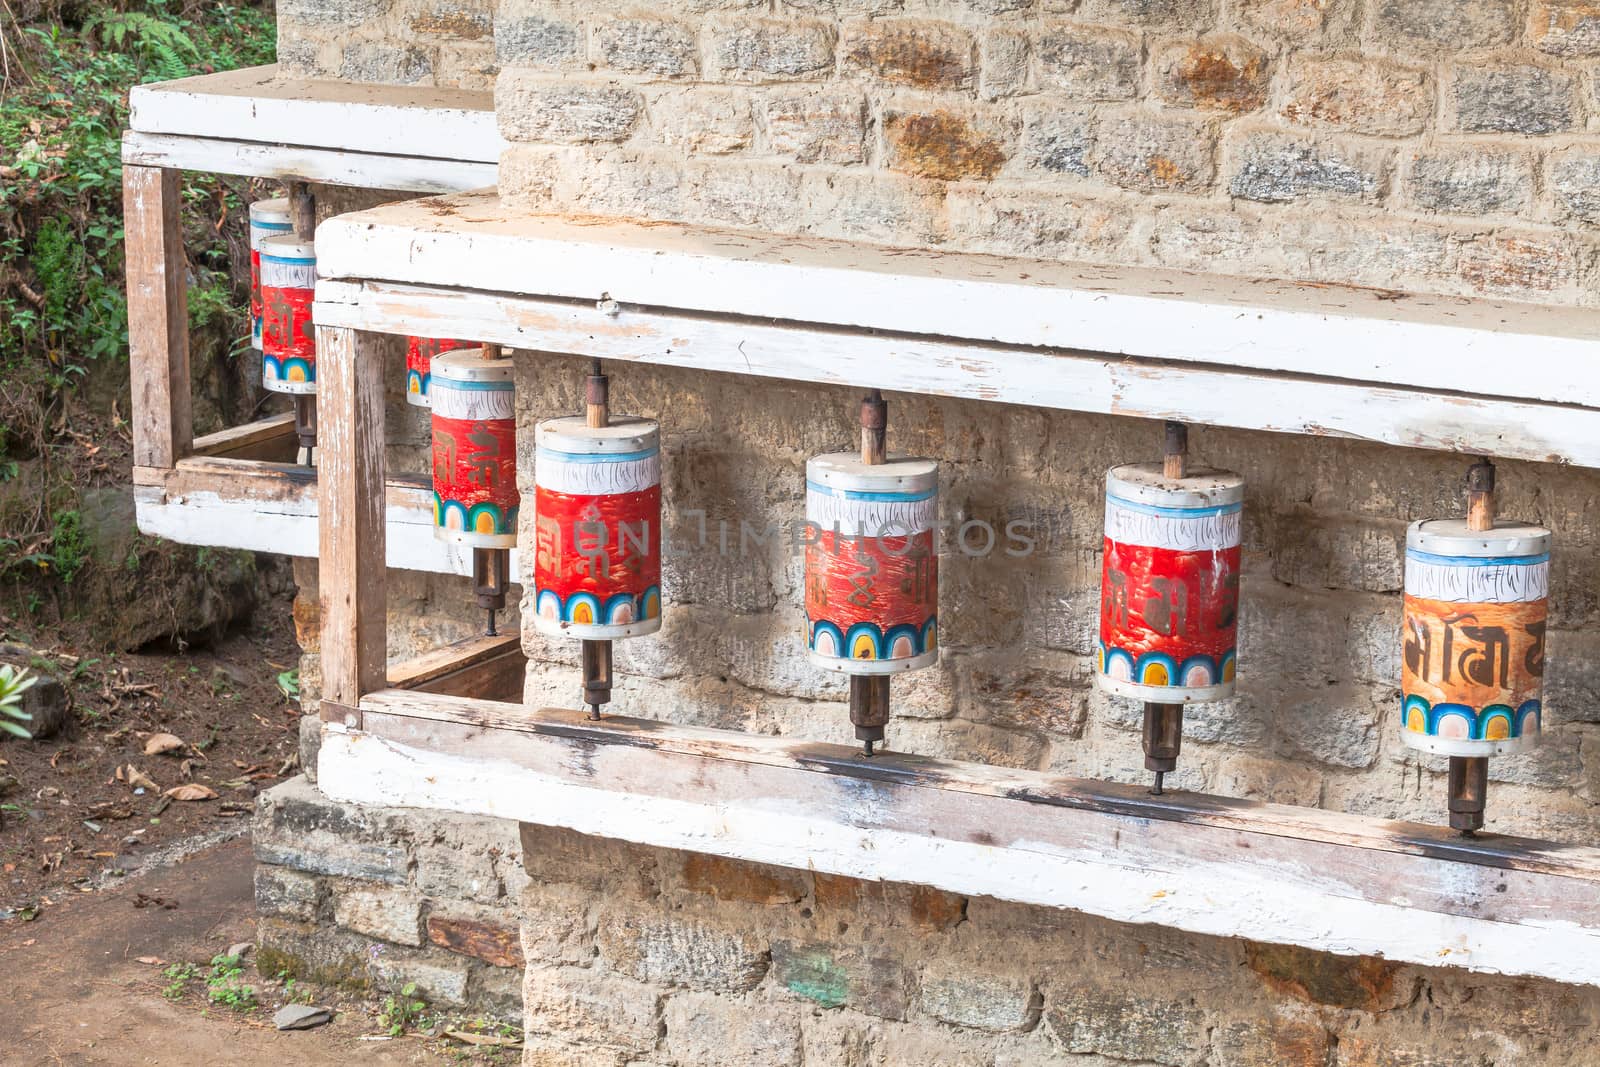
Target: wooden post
351,520
158,316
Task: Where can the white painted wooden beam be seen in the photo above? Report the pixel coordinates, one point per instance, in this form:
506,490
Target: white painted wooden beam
1067,380
222,518
1478,347
256,104
1322,880
332,166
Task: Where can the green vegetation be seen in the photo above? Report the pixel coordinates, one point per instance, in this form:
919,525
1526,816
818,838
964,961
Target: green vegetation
64,81
62,111
13,683
224,986
401,1013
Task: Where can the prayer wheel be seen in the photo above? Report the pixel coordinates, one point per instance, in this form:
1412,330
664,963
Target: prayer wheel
1169,591
597,528
1473,632
419,364
872,573
288,338
872,568
475,498
268,218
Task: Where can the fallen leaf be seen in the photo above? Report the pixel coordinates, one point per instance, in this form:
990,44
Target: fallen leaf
191,791
160,743
138,780
152,961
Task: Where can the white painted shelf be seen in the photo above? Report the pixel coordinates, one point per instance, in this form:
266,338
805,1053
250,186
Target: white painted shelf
1210,865
1511,380
254,122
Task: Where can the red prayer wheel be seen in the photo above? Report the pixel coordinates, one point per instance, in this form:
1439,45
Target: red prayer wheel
1169,590
419,364
268,218
597,528
288,338
872,569
475,497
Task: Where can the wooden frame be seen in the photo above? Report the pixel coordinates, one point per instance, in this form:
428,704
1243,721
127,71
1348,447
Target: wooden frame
240,488
1288,358
819,312
1232,868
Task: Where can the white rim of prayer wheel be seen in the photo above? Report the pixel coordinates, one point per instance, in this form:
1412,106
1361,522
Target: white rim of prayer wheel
467,365
897,474
287,247
870,667
1451,537
1453,746
1201,488
1164,694
621,435
897,498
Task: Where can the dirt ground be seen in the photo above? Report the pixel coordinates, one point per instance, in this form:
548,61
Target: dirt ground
72,812
84,983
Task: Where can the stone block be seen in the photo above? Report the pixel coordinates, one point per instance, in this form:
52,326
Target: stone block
296,826
1297,21
534,107
715,1031
1088,62
496,943
1435,26
1002,62
702,120
1156,155
815,126
1372,96
1127,1024
944,145
761,50
920,53
1518,263
996,1003
1222,72
537,41
1566,28
1574,182
590,1008
452,21
383,912
1057,140
287,893
440,980
1280,168
1176,14
680,949
752,883
861,978
379,61
334,14
1512,98
1471,180
665,48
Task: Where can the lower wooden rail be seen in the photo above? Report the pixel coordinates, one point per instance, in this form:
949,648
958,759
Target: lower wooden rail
262,505
1324,880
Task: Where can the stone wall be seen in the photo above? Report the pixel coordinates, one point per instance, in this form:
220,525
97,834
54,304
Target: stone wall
399,42
1436,145
1440,145
653,958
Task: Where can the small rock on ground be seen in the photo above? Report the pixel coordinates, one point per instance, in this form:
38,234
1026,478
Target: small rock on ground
300,1017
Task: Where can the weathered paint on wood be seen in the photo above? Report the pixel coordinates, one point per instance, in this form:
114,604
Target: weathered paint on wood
351,518
266,506
1324,880
271,438
1063,379
1483,347
487,668
256,104
331,166
158,316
